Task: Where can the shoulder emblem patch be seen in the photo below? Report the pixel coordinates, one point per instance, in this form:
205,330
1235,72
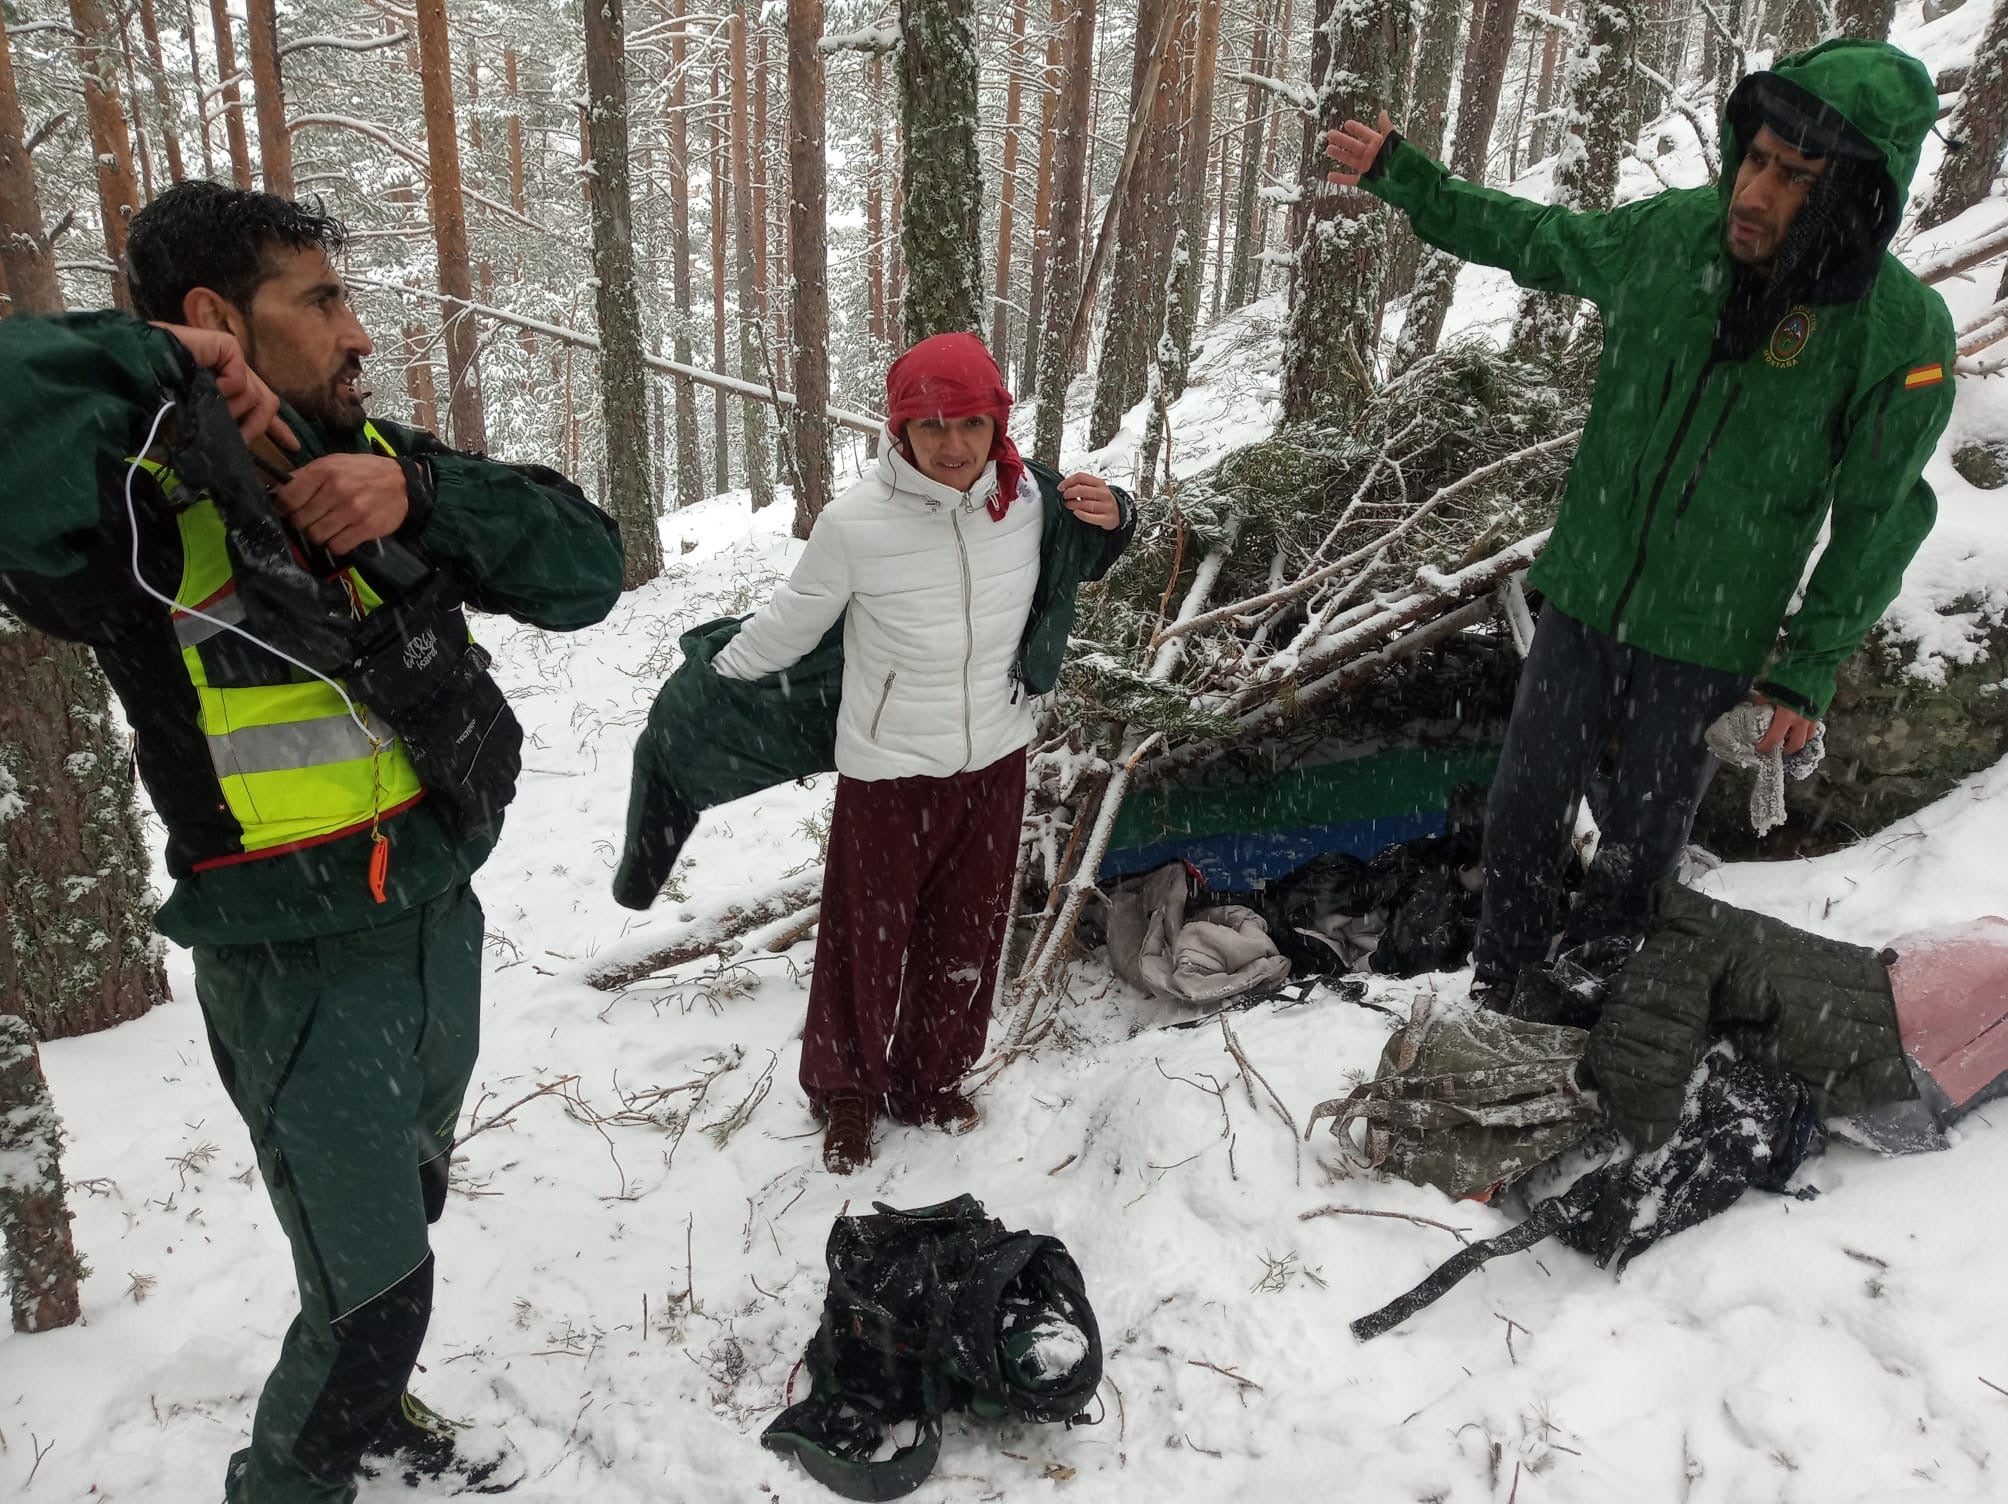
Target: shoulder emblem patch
1918,376
1789,339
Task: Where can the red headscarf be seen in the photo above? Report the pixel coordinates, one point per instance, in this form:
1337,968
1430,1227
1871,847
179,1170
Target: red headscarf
953,376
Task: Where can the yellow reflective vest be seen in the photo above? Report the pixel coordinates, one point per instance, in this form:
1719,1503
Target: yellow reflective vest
296,765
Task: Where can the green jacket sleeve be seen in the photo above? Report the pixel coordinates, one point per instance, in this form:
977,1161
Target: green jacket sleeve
1547,248
81,392
1882,509
519,540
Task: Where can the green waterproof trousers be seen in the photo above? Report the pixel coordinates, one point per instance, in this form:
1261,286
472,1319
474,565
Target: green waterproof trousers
347,1056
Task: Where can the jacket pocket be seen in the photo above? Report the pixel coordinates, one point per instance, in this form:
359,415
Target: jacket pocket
884,695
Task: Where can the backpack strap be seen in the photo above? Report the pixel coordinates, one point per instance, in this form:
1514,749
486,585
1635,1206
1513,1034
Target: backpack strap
834,1443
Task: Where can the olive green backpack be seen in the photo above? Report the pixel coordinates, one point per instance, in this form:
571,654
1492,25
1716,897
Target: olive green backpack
1465,1100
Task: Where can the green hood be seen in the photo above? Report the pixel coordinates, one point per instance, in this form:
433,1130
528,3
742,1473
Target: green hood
1886,95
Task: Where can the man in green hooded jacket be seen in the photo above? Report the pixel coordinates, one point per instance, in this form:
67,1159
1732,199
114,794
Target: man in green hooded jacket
320,845
1767,367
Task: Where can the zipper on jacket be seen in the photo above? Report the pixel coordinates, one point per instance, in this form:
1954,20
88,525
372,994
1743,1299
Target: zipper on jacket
1659,488
884,695
1708,449
1665,391
968,638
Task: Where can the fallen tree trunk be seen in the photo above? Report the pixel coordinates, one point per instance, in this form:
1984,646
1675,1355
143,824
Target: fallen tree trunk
714,931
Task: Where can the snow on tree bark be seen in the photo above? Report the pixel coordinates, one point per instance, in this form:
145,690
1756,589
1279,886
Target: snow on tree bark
746,281
118,193
623,376
941,182
149,25
808,220
1798,24
1192,199
1544,94
77,952
1595,99
1428,110
1063,279
1007,198
275,147
449,226
1329,353
25,256
42,1267
1869,19
721,423
230,100
1042,204
1135,310
1981,121
1241,277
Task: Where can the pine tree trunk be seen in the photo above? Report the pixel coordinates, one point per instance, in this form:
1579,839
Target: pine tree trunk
230,98
753,415
1042,204
1146,180
449,226
73,866
876,322
518,196
418,385
1063,271
623,372
118,193
808,217
1241,277
1798,24
1486,54
163,104
941,182
1192,197
1329,355
275,148
1544,93
721,168
1869,19
1435,64
25,258
43,1271
1586,176
1981,121
689,453
195,79
1007,198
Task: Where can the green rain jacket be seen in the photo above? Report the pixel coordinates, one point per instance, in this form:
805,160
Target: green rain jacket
82,390
1701,484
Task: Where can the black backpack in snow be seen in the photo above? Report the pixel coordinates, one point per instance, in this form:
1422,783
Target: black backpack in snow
928,1311
1742,1125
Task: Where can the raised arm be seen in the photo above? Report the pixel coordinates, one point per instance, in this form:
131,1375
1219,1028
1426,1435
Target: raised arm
1546,248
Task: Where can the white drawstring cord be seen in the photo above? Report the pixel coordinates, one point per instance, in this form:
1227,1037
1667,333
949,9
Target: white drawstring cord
132,517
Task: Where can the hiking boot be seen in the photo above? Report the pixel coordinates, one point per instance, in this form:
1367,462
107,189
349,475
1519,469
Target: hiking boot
423,1449
951,1111
848,1117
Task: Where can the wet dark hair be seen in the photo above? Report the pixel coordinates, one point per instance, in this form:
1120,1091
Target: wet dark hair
202,234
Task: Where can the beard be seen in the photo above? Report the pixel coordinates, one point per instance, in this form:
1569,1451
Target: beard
334,407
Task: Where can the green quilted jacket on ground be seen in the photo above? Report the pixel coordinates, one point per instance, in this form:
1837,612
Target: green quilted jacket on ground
1819,1009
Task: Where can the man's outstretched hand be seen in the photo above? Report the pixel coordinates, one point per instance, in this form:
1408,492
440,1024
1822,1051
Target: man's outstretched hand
1788,731
1354,146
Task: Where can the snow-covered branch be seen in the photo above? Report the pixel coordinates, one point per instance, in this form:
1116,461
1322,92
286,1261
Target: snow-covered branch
412,155
1298,96
1726,36
864,423
346,44
865,39
1704,133
1962,258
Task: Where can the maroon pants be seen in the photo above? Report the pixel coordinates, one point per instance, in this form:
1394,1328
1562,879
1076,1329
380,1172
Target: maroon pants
916,900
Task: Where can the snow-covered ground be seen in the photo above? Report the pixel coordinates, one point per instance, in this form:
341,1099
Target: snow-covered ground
629,1298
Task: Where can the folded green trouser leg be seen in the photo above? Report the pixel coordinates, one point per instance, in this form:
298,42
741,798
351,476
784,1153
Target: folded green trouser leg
347,1057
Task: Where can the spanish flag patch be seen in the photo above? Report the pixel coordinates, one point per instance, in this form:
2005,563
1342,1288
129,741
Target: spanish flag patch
1919,376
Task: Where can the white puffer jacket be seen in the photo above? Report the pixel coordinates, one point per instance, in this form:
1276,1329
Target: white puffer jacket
937,593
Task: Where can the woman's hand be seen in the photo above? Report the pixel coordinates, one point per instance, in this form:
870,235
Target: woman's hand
1089,498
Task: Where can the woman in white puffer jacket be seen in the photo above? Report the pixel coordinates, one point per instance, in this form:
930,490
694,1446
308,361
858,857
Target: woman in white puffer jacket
932,561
